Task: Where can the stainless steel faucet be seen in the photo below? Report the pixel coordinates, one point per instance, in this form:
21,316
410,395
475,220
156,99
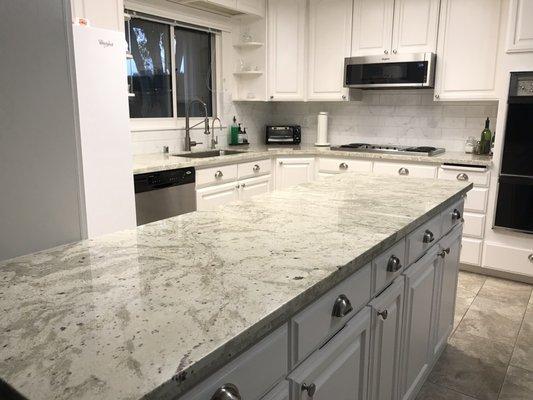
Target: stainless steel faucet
214,139
188,142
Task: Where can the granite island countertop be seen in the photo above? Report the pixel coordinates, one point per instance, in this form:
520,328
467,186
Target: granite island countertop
144,163
150,312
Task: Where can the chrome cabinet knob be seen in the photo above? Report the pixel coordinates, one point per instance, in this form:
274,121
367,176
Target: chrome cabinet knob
271,97
243,184
343,165
281,163
219,174
462,177
344,97
310,389
437,96
237,187
456,215
342,306
530,258
228,391
383,314
444,252
256,168
395,51
428,236
394,264
386,51
403,171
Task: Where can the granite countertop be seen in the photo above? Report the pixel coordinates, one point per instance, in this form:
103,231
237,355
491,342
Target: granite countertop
143,163
152,311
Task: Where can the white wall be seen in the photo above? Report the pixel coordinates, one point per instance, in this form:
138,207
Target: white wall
39,201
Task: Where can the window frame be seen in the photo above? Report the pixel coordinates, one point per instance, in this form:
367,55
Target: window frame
175,122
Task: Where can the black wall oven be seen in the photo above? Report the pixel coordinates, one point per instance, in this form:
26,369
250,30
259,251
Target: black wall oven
514,209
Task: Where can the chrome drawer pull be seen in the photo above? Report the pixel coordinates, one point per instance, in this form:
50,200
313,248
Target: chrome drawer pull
394,264
383,314
310,389
462,177
228,391
456,215
428,236
256,168
530,258
343,166
444,252
403,171
219,174
342,306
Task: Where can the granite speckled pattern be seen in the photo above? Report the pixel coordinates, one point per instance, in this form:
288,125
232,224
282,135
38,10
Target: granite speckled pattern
153,311
143,163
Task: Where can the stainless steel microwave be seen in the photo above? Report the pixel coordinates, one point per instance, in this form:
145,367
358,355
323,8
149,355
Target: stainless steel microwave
414,70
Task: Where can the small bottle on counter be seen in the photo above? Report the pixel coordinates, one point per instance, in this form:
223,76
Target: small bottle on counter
243,138
234,132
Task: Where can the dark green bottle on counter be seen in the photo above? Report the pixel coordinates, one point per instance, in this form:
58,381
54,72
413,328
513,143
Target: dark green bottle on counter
486,139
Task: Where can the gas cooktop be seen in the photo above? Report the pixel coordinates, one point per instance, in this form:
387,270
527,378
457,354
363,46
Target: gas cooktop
392,149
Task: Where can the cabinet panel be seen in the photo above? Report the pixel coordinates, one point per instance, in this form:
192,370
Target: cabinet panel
372,27
471,251
507,258
339,369
215,175
330,30
388,265
256,7
479,177
474,224
254,186
212,197
293,171
415,26
387,320
423,238
467,49
280,392
405,170
520,28
286,49
452,216
337,165
420,282
254,168
476,200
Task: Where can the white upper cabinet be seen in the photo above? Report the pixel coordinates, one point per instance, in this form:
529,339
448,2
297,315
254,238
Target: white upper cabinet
520,27
254,7
467,50
330,31
415,26
372,27
286,49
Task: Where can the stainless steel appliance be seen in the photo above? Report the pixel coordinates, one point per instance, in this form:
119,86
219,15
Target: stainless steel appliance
164,194
283,134
377,148
514,209
415,70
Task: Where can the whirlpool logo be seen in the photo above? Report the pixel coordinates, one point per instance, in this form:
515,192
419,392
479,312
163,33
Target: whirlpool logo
105,43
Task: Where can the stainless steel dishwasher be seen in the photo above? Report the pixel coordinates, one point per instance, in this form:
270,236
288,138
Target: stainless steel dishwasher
164,194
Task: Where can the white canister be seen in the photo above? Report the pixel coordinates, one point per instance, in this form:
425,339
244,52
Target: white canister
322,129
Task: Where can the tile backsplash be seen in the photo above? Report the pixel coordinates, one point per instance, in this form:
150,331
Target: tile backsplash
408,117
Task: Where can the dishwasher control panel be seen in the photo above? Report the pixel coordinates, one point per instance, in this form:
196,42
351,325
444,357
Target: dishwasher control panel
163,179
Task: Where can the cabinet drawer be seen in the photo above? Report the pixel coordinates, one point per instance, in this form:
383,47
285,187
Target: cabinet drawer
476,200
474,225
477,177
254,168
405,169
471,251
343,165
253,372
423,238
506,258
312,326
388,265
215,175
452,216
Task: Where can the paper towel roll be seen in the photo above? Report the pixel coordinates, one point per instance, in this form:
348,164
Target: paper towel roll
322,129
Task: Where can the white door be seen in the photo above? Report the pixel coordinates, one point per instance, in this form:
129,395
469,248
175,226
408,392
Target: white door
520,29
293,171
448,270
286,49
330,32
213,196
254,186
467,50
339,369
372,27
419,285
386,342
415,26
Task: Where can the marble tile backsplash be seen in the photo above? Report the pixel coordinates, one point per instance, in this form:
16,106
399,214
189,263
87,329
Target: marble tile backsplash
408,117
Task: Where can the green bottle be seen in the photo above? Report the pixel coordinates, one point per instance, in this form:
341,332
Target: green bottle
486,139
234,132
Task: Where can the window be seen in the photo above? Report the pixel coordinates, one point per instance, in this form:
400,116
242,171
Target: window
156,92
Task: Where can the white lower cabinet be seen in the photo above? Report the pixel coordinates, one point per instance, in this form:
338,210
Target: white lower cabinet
419,290
387,310
337,370
405,169
253,186
293,171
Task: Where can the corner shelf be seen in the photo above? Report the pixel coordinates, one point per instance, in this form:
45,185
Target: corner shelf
248,45
248,73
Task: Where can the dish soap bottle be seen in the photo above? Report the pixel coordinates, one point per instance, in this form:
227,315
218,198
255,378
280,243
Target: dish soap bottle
234,132
486,139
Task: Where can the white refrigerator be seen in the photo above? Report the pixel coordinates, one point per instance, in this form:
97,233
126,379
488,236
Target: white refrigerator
105,139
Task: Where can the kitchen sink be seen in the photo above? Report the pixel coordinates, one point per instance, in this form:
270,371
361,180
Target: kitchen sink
211,153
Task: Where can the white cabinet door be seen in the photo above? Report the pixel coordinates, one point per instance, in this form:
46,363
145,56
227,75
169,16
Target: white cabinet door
415,26
467,50
386,342
520,29
330,31
448,270
293,171
254,186
256,7
405,170
339,369
286,49
211,197
419,285
372,27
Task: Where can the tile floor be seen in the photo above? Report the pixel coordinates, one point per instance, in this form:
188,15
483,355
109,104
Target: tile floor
490,353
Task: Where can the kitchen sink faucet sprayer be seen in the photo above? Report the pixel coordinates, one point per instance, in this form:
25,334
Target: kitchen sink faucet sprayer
188,142
214,139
